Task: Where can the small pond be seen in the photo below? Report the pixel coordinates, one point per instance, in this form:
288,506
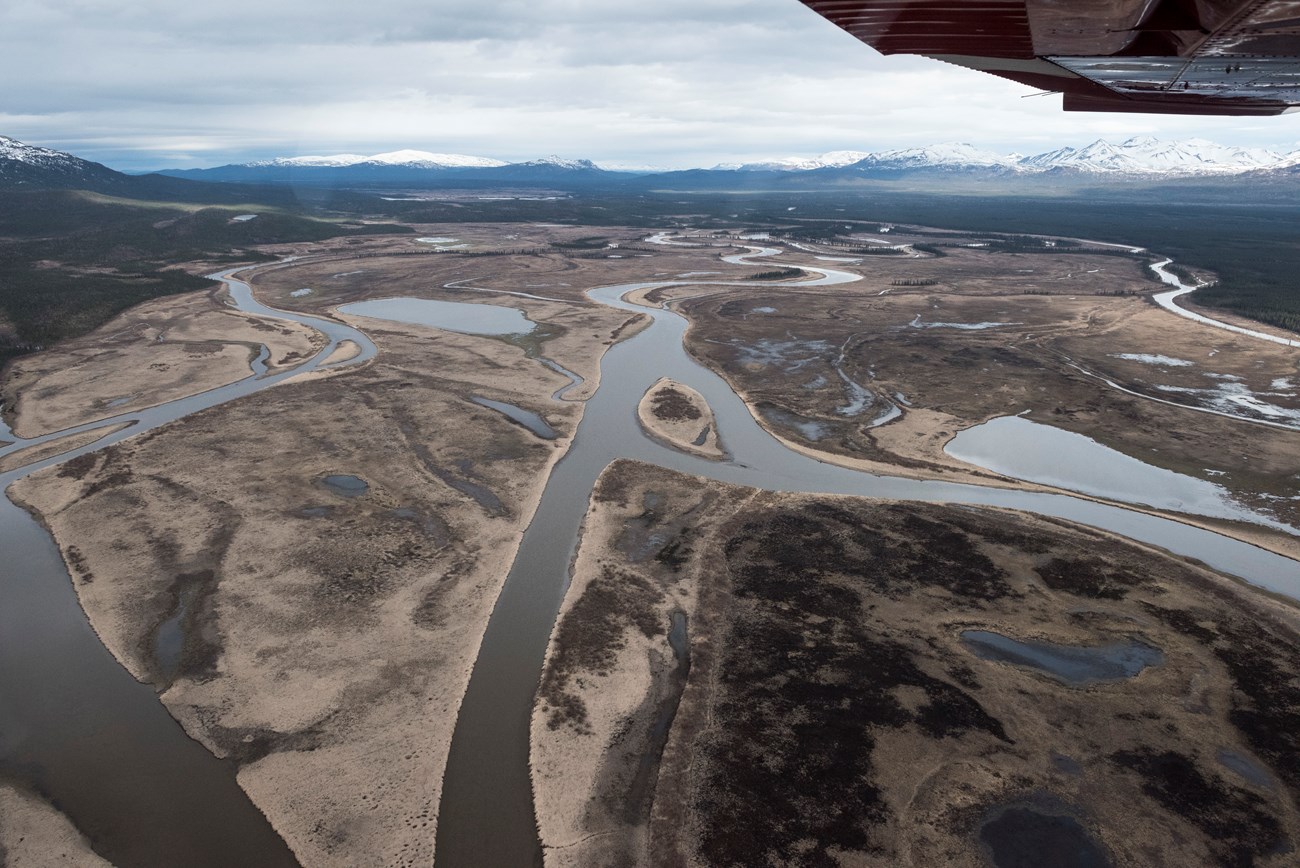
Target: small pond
345,485
456,316
527,418
1070,664
1019,448
1023,837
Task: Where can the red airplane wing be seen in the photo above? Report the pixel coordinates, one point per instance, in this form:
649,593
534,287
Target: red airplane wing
1218,57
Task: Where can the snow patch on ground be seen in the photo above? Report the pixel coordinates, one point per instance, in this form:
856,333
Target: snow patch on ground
965,326
1153,359
789,355
1235,398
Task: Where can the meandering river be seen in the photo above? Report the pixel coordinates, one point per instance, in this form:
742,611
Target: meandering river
76,726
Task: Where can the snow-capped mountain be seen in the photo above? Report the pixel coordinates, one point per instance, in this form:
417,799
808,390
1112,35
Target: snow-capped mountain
1140,155
558,163
414,159
402,167
1147,155
829,160
332,161
947,155
12,149
30,165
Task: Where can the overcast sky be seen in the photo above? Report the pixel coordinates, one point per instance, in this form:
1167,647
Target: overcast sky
675,83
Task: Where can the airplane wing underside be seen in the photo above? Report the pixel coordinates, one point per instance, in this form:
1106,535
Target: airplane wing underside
1214,57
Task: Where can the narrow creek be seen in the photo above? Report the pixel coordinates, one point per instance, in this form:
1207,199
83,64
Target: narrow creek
75,726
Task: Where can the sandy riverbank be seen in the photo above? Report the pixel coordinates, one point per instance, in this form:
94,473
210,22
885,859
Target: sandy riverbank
328,639
680,417
33,834
161,350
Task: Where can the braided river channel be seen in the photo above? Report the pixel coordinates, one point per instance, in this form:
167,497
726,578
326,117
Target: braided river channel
76,727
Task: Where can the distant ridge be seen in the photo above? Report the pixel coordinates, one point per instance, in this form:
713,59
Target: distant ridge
23,165
416,159
1140,155
1142,158
400,168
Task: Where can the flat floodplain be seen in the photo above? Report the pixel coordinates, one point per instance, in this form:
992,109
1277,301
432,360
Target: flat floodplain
306,574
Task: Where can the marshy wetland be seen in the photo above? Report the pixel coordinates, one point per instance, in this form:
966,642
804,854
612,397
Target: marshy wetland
842,705
356,612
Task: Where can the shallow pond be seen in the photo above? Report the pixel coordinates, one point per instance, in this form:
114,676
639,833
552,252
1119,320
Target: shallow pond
456,316
345,485
527,418
1023,837
1246,767
1019,448
1070,664
169,642
811,429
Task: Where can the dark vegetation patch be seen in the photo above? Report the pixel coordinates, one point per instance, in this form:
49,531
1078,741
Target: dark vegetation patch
1266,703
1263,666
1022,837
71,262
677,551
1186,622
1237,823
247,745
592,633
356,573
76,468
200,639
77,565
1087,577
430,613
803,683
672,405
777,274
590,242
1002,533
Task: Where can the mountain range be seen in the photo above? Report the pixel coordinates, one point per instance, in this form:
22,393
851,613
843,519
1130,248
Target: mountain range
1141,158
1141,155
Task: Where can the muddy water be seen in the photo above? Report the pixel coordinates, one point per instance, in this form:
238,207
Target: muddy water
486,816
76,727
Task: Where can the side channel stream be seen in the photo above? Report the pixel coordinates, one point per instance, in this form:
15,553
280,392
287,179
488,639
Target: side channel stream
75,726
486,815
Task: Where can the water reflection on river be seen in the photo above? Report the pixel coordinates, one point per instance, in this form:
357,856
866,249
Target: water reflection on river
77,726
1016,447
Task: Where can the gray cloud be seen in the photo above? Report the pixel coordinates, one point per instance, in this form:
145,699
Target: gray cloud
152,83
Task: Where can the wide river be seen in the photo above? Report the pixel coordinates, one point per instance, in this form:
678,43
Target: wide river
81,730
